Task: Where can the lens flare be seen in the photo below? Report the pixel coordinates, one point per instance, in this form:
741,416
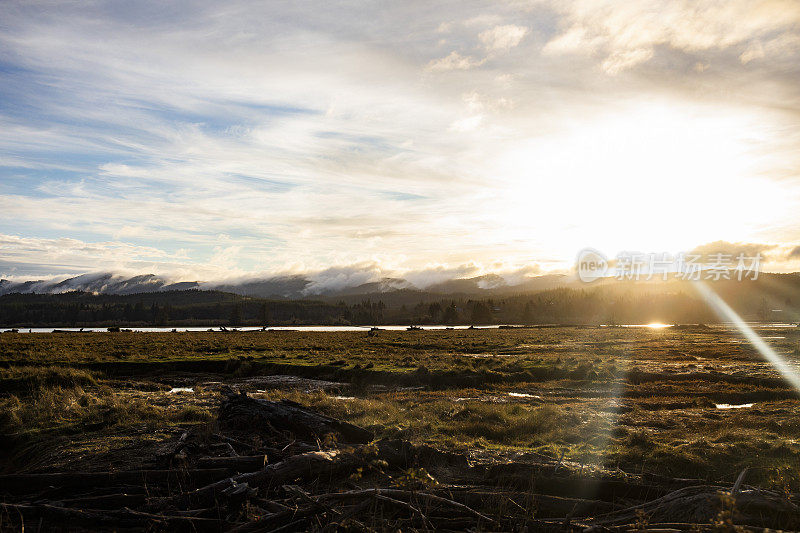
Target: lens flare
726,313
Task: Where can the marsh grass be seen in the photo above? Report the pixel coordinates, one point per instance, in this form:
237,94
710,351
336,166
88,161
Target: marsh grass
602,397
31,380
67,399
440,420
642,441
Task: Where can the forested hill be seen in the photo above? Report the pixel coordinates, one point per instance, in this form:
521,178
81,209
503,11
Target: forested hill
772,297
192,307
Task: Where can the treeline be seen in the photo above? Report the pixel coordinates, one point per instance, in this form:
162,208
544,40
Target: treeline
562,306
171,308
772,299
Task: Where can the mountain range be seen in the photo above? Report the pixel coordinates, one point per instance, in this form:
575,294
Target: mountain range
290,287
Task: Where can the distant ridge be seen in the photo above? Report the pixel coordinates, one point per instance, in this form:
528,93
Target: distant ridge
290,287
105,283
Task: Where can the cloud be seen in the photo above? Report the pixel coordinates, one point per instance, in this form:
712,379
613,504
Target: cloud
56,259
502,38
748,249
467,124
454,61
434,274
223,140
628,33
772,257
494,40
444,27
754,51
785,44
576,39
341,277
519,275
619,61
23,257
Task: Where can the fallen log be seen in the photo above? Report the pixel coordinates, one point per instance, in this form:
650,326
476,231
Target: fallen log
404,505
52,515
309,465
546,506
665,527
702,503
108,501
543,480
241,411
27,483
405,494
243,463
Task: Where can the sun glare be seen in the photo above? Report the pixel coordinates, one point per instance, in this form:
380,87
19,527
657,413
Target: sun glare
658,325
657,177
727,314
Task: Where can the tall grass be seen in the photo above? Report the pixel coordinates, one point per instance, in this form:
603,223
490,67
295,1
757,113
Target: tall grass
31,380
443,419
53,398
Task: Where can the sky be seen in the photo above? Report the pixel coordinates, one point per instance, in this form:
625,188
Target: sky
215,140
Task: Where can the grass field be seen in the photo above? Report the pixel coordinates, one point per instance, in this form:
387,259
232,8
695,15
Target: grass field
634,399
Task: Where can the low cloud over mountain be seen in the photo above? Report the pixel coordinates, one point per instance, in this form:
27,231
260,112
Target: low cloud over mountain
339,282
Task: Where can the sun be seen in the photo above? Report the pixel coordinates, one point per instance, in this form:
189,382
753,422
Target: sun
652,177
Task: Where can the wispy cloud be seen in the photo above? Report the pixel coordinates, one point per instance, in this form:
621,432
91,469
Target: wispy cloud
627,33
502,38
239,137
454,61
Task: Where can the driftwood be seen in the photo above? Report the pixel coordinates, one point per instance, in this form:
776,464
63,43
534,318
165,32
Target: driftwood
307,465
247,463
120,518
108,501
241,411
358,484
547,506
702,503
404,494
26,483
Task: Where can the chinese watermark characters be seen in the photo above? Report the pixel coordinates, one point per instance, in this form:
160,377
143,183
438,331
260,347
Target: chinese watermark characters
592,265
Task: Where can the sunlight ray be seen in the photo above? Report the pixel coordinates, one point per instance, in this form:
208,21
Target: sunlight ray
726,313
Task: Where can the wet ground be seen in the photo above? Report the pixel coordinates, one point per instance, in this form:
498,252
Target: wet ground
673,402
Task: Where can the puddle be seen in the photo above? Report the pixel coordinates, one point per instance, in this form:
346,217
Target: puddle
487,399
729,406
384,388
497,399
524,395
291,382
175,390
344,397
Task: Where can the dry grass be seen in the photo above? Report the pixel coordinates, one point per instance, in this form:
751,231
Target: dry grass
27,380
67,399
606,397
